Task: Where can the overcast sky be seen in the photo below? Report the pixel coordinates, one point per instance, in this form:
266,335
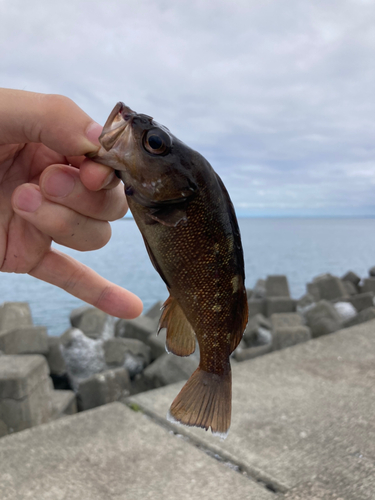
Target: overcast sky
278,95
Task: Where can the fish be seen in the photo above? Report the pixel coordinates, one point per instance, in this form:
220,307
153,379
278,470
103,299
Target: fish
191,234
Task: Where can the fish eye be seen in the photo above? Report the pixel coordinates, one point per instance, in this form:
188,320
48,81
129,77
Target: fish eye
156,141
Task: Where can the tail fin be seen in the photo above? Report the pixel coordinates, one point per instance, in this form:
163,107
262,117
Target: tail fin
205,401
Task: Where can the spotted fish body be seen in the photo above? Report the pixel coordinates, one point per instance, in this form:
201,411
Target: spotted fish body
191,234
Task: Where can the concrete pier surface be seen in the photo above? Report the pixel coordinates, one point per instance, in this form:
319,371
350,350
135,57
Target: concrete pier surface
303,428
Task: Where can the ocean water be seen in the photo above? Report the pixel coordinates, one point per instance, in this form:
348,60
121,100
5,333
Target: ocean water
301,248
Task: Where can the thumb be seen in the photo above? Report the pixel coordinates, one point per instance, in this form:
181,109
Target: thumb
53,120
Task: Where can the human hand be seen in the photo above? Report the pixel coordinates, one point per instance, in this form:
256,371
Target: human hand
49,191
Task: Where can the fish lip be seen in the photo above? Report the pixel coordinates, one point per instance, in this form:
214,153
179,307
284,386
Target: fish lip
125,111
117,122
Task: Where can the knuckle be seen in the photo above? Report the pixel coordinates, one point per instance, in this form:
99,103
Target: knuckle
56,102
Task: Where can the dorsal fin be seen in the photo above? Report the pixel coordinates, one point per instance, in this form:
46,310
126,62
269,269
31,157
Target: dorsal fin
240,314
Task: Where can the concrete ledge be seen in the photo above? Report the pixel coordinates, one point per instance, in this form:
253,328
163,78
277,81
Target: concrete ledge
301,413
113,453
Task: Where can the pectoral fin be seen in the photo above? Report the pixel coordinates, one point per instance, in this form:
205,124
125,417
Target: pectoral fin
180,335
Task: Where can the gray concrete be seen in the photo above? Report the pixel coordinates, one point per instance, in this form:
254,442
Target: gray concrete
303,418
25,393
330,287
92,322
63,403
103,388
280,305
113,453
139,328
54,357
277,286
257,306
362,300
252,352
24,340
14,314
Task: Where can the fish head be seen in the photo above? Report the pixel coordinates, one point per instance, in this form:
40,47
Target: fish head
153,163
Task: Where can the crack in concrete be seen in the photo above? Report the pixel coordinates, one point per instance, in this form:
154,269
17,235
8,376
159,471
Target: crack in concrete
251,473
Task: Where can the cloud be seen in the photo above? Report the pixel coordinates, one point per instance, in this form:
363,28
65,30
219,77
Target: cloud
279,96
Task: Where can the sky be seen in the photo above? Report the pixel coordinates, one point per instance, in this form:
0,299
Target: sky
278,95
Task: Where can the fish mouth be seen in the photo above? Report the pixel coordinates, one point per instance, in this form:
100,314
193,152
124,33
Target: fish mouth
115,125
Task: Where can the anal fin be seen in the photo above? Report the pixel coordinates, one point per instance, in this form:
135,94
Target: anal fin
180,334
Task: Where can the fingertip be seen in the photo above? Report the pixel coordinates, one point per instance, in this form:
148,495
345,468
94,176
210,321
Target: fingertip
93,132
26,198
136,307
120,303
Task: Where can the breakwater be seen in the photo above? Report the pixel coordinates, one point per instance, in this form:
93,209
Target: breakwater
101,359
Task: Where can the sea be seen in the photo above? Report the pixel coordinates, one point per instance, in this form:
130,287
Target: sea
300,248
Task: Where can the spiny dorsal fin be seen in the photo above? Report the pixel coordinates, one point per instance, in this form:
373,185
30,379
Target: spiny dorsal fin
180,335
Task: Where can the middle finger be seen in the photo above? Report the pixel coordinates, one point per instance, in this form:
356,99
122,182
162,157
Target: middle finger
62,184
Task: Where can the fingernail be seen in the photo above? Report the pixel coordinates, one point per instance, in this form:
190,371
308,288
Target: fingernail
28,199
108,180
59,184
93,132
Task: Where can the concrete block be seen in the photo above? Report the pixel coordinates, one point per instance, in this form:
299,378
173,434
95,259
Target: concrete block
251,333
288,336
352,277
372,271
330,287
322,318
103,388
55,358
313,290
63,403
249,293
252,352
139,328
277,286
154,312
14,315
93,322
25,393
363,316
24,340
304,303
130,353
280,305
285,320
362,300
259,290
368,285
351,288
169,369
20,375
257,306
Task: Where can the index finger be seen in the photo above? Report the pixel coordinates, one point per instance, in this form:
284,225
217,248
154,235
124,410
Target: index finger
53,120
82,282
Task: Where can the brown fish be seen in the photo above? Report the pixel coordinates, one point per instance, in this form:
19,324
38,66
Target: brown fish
192,237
